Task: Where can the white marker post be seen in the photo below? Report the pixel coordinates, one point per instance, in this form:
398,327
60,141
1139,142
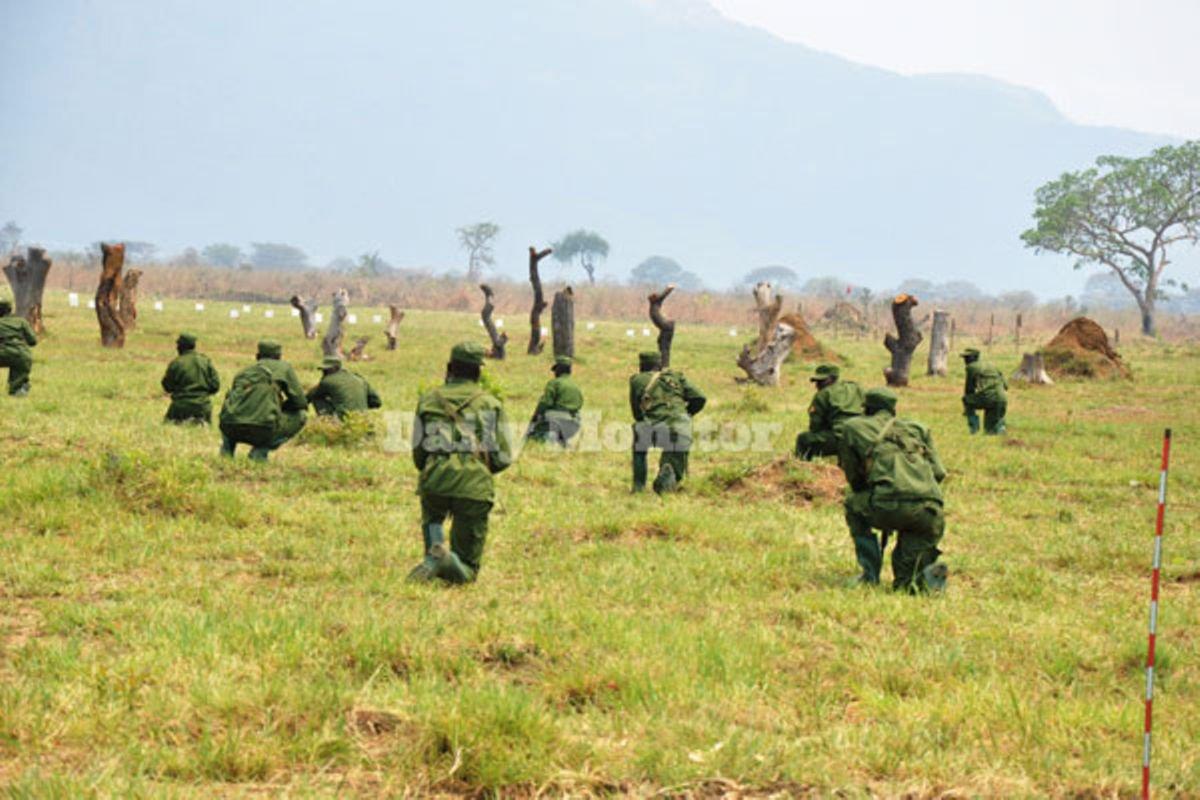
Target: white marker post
91,303
199,306
233,313
158,306
377,318
245,309
295,312
269,314
645,331
591,326
318,317
73,300
352,319
1154,580
629,331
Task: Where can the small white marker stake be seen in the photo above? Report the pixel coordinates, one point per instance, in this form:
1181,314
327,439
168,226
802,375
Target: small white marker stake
377,318
352,319
499,323
269,314
629,331
295,312
91,303
645,331
245,309
158,306
233,313
733,331
73,300
545,330
199,306
591,326
318,317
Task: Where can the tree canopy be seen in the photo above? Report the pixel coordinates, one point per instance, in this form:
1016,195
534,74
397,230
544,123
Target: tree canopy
221,254
275,255
661,270
778,276
584,246
477,241
1124,214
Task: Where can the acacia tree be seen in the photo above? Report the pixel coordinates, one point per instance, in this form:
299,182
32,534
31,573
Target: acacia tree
583,246
1123,214
660,270
10,237
477,241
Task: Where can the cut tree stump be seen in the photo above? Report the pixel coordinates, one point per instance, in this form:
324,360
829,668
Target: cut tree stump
536,340
112,332
331,345
666,327
939,343
499,340
308,315
562,323
393,325
1033,370
27,276
763,363
127,299
358,352
901,348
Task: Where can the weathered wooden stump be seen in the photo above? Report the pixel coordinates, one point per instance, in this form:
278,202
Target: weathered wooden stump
499,340
393,325
1032,370
536,340
939,343
128,296
331,344
763,363
666,327
562,322
358,352
308,315
108,295
27,276
902,347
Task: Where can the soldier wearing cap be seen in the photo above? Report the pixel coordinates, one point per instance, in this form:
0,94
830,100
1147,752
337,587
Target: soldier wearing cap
16,339
460,440
894,475
985,389
265,406
556,418
663,402
835,401
191,381
341,391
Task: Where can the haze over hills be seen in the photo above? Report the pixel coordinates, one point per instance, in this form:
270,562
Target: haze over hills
358,126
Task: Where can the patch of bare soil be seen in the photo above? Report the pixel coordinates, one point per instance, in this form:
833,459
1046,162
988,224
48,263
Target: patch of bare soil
789,480
806,345
1081,350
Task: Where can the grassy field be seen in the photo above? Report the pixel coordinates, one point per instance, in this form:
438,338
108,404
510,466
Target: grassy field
174,624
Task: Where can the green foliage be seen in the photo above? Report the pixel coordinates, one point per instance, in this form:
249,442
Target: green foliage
222,255
276,255
477,241
584,245
658,271
329,431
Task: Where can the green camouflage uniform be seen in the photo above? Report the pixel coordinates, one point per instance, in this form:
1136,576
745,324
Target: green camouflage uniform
191,381
557,415
894,475
341,391
663,403
985,389
16,339
460,440
287,408
832,404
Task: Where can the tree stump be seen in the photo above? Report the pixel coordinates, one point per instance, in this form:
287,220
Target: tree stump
536,340
308,315
499,340
112,332
331,345
666,327
763,363
358,352
27,276
901,348
127,299
1032,370
393,325
939,343
562,323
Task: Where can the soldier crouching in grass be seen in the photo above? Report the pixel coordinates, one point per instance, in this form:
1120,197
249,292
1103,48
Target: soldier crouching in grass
663,402
16,337
191,381
460,440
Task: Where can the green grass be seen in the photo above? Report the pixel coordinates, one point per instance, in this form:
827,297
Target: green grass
173,624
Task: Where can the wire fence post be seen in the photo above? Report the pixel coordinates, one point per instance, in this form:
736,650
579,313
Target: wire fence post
1154,580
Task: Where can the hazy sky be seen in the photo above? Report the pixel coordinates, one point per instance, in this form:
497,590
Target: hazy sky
1131,63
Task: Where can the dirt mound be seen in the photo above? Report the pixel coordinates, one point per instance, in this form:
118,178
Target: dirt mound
1081,350
844,316
783,478
806,345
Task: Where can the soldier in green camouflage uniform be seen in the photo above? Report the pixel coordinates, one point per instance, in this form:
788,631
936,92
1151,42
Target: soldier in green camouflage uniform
556,418
16,337
894,475
191,381
663,403
460,440
985,389
835,400
264,407
341,391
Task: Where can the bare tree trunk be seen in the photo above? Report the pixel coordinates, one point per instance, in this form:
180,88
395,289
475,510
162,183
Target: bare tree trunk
562,322
1017,331
590,268
331,345
1032,370
536,341
358,352
901,348
28,279
499,340
112,333
666,327
991,325
393,325
764,368
939,344
127,297
1147,309
308,315
768,314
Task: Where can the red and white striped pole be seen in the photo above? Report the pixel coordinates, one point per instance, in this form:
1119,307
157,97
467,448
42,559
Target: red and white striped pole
1158,531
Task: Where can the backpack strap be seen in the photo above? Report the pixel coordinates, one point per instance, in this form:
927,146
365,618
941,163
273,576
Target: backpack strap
643,400
454,411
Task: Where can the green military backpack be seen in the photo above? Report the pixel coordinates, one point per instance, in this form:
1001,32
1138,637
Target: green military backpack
252,408
899,466
662,389
846,399
989,382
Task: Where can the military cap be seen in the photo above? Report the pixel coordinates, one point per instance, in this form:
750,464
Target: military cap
881,398
562,361
331,362
269,349
650,357
824,371
970,352
5,307
186,339
467,353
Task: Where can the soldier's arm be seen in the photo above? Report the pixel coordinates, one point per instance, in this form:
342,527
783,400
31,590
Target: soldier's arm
419,454
294,398
501,457
969,386
27,332
817,417
373,398
852,466
168,381
212,380
315,395
939,471
635,399
694,398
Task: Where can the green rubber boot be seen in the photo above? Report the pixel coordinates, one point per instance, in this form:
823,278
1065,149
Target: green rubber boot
449,567
973,423
665,483
434,535
934,577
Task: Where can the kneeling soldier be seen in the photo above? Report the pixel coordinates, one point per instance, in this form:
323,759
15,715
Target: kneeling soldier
191,381
556,418
265,406
984,389
834,401
16,337
663,403
341,391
